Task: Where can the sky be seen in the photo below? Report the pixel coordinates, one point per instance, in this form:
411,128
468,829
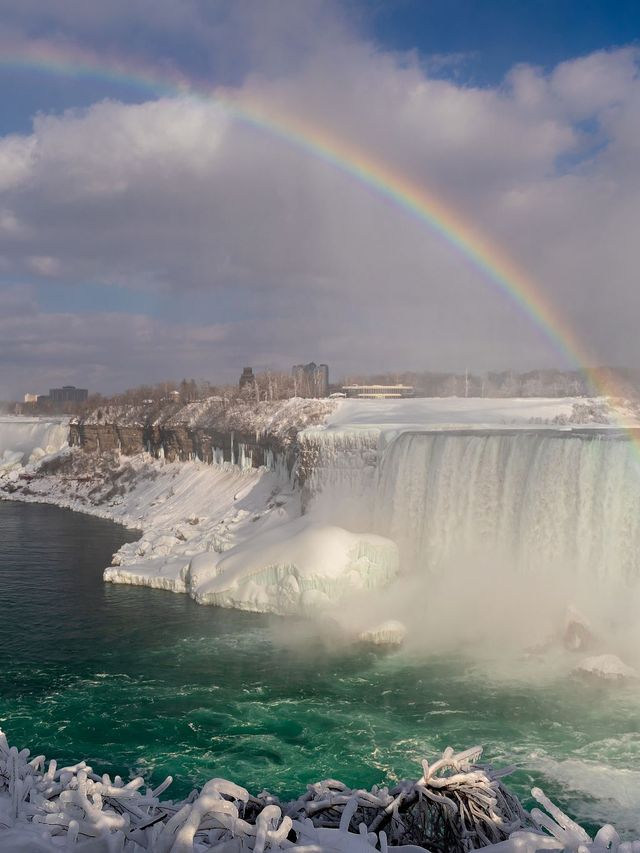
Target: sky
147,234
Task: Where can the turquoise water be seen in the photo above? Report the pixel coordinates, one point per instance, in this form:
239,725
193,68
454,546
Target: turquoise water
138,680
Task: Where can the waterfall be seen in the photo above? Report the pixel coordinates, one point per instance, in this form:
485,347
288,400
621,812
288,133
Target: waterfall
23,439
535,500
340,473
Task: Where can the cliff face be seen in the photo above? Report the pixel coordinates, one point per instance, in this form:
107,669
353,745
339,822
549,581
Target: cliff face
176,443
247,434
98,438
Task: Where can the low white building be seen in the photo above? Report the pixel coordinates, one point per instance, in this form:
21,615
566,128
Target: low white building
378,392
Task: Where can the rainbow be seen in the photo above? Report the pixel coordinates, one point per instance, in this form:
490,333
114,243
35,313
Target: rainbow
417,201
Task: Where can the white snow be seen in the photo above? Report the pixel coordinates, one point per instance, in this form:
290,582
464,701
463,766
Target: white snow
607,667
279,418
293,568
389,633
477,413
236,537
289,567
44,808
190,513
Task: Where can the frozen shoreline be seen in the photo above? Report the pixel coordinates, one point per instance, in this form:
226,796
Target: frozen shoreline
235,535
225,535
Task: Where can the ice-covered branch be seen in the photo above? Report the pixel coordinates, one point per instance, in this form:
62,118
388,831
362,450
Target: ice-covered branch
456,806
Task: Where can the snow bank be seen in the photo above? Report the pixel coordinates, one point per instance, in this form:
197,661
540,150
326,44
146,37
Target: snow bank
295,567
159,573
281,419
288,568
221,534
473,412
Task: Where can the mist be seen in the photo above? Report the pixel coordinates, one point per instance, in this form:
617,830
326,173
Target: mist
508,544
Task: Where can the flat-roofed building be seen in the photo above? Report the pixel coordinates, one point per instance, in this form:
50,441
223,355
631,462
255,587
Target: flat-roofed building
378,392
68,394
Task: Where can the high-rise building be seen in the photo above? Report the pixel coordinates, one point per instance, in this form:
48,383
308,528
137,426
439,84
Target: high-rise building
68,394
311,380
322,380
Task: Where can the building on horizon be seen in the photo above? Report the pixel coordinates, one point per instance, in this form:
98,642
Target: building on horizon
68,394
30,398
311,380
378,392
247,378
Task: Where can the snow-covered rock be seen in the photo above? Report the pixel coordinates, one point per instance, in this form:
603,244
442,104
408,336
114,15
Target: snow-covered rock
389,633
10,460
578,633
158,573
606,667
292,568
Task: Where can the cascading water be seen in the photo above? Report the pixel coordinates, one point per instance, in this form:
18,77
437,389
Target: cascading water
499,532
508,539
311,711
23,439
535,499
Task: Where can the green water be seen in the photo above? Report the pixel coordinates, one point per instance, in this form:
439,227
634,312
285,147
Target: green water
138,680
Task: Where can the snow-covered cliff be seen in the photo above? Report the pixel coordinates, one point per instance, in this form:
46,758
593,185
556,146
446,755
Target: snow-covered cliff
428,488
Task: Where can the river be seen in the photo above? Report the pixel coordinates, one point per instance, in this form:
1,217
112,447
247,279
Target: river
140,680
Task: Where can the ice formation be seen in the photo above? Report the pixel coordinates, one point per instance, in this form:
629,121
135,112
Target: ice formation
542,496
457,805
537,498
389,633
25,440
449,481
607,667
85,811
294,567
288,568
578,633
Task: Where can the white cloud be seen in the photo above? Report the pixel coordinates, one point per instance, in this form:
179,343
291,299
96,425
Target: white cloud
100,350
306,261
16,161
593,83
44,265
